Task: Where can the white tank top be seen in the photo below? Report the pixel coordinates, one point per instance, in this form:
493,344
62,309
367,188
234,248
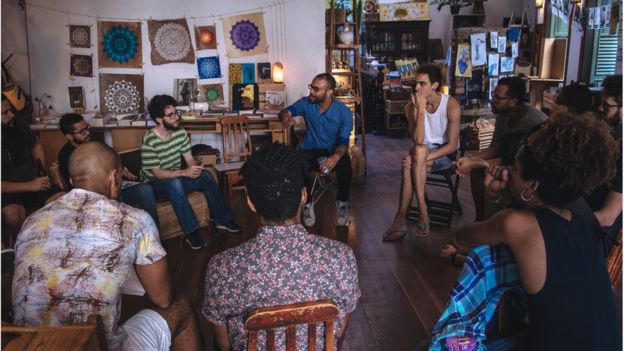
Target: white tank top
435,123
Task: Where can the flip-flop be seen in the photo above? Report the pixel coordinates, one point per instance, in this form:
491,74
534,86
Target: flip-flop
387,237
422,227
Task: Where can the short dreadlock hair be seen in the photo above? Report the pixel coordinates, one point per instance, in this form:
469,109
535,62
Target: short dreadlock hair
274,177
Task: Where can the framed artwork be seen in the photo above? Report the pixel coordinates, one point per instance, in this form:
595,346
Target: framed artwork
81,65
463,65
79,36
506,64
514,49
205,37
249,73
171,41
121,93
244,97
492,65
275,100
185,90
264,71
76,97
119,44
493,84
245,35
478,49
209,67
236,73
494,40
502,44
211,93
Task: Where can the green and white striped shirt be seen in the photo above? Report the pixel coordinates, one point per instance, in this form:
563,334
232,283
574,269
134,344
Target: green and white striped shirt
164,154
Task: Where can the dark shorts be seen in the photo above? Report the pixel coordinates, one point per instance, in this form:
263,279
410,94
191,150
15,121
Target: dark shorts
29,200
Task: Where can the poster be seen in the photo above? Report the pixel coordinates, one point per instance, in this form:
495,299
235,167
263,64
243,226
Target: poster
478,49
463,65
506,64
494,40
502,44
492,65
514,49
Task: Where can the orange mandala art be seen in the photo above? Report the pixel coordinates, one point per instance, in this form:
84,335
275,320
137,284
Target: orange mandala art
205,37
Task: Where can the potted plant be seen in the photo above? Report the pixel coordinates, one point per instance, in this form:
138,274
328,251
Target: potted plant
454,5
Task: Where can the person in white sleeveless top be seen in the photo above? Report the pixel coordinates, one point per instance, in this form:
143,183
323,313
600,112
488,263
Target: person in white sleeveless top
433,124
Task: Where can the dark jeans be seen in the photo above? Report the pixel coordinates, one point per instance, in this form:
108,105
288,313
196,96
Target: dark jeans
343,170
141,196
176,189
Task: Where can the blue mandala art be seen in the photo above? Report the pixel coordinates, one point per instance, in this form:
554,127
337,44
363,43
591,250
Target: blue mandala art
209,67
245,35
120,44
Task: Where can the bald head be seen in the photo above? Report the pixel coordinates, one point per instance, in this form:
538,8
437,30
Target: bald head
91,166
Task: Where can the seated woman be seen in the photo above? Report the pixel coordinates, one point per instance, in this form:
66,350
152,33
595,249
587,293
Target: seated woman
556,250
575,98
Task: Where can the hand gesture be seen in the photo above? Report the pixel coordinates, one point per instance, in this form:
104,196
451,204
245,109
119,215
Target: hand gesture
40,184
329,163
288,121
128,175
462,166
194,171
496,178
419,101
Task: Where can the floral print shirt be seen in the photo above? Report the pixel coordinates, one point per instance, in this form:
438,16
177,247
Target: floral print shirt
74,255
281,265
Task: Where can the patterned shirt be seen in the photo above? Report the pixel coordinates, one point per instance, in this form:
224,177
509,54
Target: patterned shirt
73,256
281,265
164,154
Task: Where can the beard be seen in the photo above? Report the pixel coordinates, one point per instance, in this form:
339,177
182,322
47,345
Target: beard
316,99
171,126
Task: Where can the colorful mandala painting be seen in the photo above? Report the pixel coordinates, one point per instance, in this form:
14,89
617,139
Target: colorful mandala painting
236,73
81,66
245,35
79,36
209,67
171,41
206,37
211,93
120,44
121,93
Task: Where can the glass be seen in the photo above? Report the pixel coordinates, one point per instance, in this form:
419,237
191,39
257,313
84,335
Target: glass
176,113
314,88
498,97
605,105
84,131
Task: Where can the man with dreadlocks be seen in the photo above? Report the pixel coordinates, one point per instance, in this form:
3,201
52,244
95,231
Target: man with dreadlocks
284,263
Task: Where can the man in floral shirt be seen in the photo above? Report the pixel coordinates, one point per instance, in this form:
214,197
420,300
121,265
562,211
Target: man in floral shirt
74,255
283,264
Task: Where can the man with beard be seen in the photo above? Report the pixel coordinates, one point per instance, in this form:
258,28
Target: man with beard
22,187
77,132
162,150
513,119
329,123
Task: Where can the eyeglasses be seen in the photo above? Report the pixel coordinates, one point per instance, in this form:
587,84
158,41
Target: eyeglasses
176,113
314,88
498,97
605,105
84,131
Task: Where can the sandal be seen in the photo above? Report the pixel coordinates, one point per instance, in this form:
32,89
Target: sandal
423,229
389,237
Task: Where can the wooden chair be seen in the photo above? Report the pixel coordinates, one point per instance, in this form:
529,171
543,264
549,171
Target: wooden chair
236,148
289,316
614,261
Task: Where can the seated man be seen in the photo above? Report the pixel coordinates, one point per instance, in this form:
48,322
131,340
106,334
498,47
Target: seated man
73,257
77,132
513,119
22,187
162,150
283,264
433,124
329,123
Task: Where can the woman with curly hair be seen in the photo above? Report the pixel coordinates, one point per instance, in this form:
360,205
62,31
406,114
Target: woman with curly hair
570,302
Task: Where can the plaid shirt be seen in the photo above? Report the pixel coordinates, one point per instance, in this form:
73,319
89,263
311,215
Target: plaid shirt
488,273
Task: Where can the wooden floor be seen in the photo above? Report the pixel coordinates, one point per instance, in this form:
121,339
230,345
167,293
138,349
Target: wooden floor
404,285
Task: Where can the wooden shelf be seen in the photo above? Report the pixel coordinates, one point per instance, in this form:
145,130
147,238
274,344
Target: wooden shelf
346,47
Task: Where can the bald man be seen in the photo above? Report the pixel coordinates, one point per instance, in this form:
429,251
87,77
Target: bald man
74,255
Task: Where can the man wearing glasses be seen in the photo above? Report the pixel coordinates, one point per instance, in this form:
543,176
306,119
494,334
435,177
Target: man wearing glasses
77,132
328,126
162,150
513,119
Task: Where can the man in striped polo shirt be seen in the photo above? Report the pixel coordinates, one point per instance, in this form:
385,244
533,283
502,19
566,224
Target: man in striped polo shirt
162,150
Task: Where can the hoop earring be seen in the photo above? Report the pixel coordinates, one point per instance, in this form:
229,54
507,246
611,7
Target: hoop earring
524,197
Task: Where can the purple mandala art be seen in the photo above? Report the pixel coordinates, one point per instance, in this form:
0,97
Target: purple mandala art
245,35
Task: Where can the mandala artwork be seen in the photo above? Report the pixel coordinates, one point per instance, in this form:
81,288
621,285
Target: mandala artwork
121,93
79,36
120,44
81,66
245,35
206,37
171,41
209,67
211,93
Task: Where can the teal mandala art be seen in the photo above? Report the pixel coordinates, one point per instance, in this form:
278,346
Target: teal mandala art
120,44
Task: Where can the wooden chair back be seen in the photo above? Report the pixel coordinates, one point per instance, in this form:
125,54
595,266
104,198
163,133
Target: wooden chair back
289,316
236,138
614,261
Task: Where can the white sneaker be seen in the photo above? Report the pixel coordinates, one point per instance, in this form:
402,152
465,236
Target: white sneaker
342,213
309,218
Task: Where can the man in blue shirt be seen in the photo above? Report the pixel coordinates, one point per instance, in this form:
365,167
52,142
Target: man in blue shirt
329,123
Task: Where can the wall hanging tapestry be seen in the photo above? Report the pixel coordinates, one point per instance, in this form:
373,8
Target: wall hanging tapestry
121,93
205,37
79,36
81,66
209,67
244,97
171,41
244,35
249,73
264,71
236,73
211,93
120,44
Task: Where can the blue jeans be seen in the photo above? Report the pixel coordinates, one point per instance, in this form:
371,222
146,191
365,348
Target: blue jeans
176,189
141,196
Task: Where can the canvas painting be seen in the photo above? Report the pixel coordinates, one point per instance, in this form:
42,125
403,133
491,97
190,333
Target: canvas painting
513,33
492,65
205,37
275,100
76,97
211,93
478,49
209,67
463,65
494,40
121,93
249,73
244,97
79,36
185,90
119,44
245,35
264,71
502,44
81,66
236,73
506,64
171,41
493,84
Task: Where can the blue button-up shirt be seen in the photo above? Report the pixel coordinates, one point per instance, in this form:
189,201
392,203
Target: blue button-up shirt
324,130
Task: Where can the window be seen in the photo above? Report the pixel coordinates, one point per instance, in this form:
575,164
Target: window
605,50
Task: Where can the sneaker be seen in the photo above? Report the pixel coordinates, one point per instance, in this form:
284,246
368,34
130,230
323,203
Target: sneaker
342,213
230,226
195,240
309,218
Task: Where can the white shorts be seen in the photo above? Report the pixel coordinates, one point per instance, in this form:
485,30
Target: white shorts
146,330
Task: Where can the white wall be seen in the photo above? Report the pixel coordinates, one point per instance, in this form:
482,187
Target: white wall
295,36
